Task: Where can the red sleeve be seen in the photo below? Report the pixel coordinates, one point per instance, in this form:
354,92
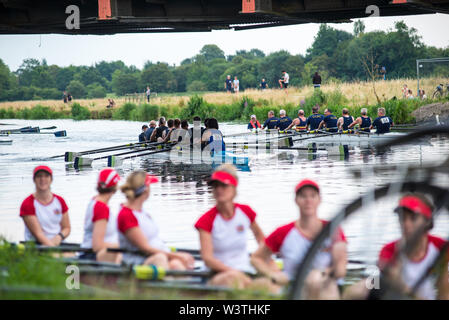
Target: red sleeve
274,241
340,236
206,221
126,220
63,204
250,213
101,211
27,207
386,254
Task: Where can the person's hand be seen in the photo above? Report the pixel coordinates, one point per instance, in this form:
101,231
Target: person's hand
56,240
280,278
186,258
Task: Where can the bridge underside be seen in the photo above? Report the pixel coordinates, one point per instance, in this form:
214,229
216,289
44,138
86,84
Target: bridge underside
138,16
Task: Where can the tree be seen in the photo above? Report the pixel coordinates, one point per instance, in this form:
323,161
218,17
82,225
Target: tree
96,90
159,77
196,85
359,27
123,83
326,41
211,51
76,89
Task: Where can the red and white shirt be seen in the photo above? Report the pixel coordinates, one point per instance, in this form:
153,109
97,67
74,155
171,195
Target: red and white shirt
229,236
413,270
97,210
128,219
293,246
49,215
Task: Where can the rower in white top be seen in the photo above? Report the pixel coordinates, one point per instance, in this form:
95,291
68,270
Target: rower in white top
44,213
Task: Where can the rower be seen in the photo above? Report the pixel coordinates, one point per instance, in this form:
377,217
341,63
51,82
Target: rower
345,120
212,138
284,121
293,241
138,230
100,227
196,132
175,132
224,231
329,122
150,130
254,124
271,122
363,121
382,123
415,213
314,120
300,122
142,135
159,133
44,213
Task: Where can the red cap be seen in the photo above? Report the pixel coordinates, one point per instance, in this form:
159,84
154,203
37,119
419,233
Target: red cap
108,178
150,179
42,168
223,177
416,205
307,183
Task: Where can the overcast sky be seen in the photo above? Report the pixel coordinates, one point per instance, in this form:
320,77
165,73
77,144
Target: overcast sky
135,49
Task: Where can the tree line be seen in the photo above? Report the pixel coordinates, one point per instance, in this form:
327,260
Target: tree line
337,55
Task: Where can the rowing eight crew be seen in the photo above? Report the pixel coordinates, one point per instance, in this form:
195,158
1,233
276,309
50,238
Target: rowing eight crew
329,121
224,233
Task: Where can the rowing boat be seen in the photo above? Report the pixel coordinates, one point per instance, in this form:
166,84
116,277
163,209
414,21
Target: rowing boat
5,142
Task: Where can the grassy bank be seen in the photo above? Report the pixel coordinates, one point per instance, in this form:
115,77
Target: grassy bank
227,107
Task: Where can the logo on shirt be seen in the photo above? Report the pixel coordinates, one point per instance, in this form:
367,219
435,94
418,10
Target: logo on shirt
57,211
240,228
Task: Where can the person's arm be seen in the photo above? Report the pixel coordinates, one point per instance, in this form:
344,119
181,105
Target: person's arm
207,253
265,265
292,124
339,259
137,238
35,228
258,233
340,123
65,226
322,124
99,231
357,121
153,135
443,282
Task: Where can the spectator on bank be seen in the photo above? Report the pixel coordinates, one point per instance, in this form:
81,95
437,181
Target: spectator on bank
236,85
410,94
316,80
263,85
148,93
423,95
228,84
69,97
64,96
111,103
404,91
284,81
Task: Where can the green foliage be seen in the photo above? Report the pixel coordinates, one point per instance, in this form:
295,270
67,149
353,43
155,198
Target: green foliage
196,86
123,83
96,90
79,112
76,89
42,112
125,112
145,112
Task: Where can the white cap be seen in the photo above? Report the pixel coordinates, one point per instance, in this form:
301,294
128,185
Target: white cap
253,116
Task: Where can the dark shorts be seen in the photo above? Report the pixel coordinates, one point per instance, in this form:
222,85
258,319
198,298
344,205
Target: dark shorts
88,256
285,85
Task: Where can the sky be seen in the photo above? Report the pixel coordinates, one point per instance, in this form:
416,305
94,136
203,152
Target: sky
136,49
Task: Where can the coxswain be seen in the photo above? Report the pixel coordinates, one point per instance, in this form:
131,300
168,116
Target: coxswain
212,138
293,241
382,123
100,226
300,123
345,120
284,121
224,232
44,213
329,122
139,232
142,134
254,124
363,121
314,120
271,122
403,269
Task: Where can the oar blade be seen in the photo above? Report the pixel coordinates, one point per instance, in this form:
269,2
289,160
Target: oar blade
70,156
61,133
114,161
82,162
49,128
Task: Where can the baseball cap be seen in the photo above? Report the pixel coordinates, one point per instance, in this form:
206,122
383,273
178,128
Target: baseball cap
416,205
306,183
42,168
253,116
108,178
223,177
149,179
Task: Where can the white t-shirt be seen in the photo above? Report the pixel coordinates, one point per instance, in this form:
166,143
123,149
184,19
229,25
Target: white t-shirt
293,247
97,210
236,84
49,216
286,78
230,236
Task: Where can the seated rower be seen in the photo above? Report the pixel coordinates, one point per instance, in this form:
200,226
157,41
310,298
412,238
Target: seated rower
159,133
212,138
415,213
345,120
224,232
142,135
44,213
363,121
196,132
271,122
293,241
100,227
284,121
138,230
329,122
314,120
382,123
174,133
254,124
300,123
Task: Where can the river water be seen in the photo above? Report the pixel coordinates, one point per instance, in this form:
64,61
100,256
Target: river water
182,194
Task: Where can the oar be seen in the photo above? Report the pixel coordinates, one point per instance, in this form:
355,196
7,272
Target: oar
114,161
15,130
257,132
69,156
49,128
